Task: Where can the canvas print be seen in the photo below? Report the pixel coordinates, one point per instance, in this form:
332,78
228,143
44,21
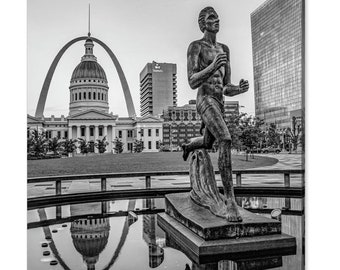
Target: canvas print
165,134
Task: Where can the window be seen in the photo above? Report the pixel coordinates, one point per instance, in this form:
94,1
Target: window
94,95
84,95
89,95
65,134
76,95
157,145
100,131
91,131
130,147
149,132
102,96
149,144
49,134
130,133
79,96
59,134
82,131
120,134
141,132
157,132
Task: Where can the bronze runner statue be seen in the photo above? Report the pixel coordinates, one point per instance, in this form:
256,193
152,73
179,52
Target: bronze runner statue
209,71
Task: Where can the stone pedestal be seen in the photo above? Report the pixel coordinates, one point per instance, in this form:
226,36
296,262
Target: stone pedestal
202,234
201,221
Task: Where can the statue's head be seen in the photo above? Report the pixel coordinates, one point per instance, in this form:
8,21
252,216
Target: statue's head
208,20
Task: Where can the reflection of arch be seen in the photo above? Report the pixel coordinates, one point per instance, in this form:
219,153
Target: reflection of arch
43,94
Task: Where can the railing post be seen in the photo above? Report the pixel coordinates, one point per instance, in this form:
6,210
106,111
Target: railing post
103,184
58,211
147,181
287,179
104,207
238,180
58,187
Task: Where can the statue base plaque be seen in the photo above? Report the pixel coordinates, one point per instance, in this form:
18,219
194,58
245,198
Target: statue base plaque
205,234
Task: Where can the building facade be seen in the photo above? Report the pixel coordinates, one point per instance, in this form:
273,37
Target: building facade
231,107
180,124
158,88
278,53
89,116
183,123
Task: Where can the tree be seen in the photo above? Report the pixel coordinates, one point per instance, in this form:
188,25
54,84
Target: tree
295,133
69,145
138,146
272,136
234,127
101,145
37,143
84,146
251,133
54,145
118,146
161,145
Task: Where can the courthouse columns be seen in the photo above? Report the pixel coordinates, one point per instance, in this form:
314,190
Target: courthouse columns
105,134
87,133
96,137
78,132
78,136
70,133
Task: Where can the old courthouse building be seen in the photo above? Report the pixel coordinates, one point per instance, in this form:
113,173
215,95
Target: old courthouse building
89,117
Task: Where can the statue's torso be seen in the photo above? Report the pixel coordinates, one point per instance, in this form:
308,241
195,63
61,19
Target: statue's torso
213,86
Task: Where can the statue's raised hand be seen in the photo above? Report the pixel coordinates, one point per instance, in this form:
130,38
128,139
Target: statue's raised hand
244,86
220,60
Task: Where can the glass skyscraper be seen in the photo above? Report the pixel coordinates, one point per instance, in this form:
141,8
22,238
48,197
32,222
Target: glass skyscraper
278,55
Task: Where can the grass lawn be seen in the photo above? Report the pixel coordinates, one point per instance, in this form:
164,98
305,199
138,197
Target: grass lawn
140,162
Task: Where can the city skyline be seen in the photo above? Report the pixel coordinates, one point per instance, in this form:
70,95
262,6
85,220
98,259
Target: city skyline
144,37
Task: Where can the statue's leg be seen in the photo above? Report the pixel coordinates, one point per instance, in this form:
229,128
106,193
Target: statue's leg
206,141
215,123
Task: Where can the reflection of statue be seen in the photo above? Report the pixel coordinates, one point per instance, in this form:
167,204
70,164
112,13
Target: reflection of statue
209,71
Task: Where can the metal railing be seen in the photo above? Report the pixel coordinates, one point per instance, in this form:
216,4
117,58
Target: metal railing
148,182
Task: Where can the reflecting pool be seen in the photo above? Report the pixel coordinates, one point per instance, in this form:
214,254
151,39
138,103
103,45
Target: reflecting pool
124,234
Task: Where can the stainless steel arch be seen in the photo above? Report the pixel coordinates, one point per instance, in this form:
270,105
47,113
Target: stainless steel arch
43,94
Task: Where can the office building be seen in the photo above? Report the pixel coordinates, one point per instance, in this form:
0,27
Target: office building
278,52
230,108
183,123
158,88
180,124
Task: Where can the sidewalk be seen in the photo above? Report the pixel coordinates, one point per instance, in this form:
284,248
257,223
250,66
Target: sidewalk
286,161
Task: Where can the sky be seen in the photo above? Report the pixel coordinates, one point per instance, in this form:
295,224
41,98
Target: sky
137,32
322,106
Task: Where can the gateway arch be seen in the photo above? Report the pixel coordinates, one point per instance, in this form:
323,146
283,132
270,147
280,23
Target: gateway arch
44,91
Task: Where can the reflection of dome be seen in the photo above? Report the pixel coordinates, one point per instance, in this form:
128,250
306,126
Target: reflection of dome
90,237
89,69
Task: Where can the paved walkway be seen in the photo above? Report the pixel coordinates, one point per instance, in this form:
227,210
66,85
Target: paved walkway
286,161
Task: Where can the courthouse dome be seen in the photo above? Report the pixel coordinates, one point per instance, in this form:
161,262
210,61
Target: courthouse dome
88,69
